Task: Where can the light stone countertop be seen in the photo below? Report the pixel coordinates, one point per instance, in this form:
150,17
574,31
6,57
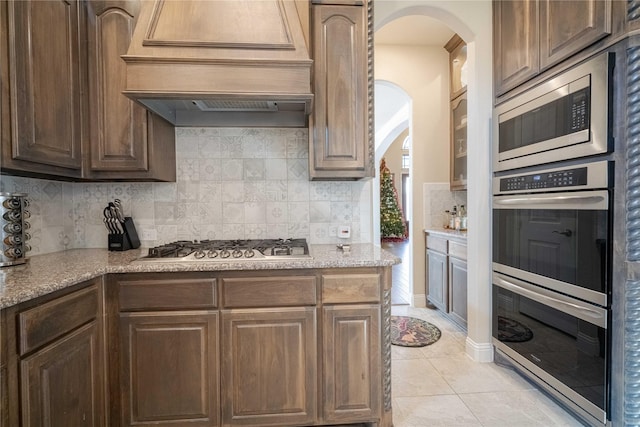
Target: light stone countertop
43,274
447,233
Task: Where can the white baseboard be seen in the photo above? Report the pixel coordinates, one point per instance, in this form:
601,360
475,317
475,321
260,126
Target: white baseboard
479,352
419,300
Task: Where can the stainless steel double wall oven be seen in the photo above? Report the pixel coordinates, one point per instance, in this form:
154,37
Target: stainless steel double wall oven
552,235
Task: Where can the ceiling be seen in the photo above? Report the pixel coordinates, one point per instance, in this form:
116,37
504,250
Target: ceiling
414,30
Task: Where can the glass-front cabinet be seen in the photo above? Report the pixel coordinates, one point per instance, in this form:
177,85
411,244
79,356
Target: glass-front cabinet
457,65
459,143
457,49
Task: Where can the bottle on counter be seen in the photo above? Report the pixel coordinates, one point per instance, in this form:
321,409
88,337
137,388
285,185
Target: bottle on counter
446,219
463,218
452,218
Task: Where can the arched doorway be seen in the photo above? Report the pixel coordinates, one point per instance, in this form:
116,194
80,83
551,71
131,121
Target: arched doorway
472,21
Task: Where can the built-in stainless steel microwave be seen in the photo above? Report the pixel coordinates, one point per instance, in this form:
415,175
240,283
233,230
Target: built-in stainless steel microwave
565,117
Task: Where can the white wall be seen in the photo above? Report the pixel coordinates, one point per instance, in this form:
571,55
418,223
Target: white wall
472,20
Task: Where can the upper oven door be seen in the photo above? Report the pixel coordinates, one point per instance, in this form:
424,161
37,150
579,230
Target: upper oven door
563,118
559,241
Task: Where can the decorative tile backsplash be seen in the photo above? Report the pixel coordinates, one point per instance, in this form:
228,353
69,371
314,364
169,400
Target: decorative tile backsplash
231,183
438,199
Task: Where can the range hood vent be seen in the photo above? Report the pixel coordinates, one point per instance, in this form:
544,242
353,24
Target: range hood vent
226,105
222,62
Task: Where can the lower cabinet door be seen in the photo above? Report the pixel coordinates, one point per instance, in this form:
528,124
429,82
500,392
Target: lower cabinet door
437,280
169,368
458,290
351,357
269,367
62,383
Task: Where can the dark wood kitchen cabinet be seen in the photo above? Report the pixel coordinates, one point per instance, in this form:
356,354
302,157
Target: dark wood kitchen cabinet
269,366
515,43
56,370
167,351
340,125
532,35
246,348
351,352
168,370
4,398
43,86
63,116
125,140
269,350
457,49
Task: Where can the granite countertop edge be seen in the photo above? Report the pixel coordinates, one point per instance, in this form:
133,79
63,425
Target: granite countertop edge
47,273
448,233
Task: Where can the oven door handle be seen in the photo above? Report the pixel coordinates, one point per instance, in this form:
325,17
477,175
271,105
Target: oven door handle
590,315
579,201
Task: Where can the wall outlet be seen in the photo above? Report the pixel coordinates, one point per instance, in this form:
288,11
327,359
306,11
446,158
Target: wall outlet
344,232
148,234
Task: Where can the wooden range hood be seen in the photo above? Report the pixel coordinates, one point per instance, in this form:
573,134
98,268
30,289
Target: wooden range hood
222,62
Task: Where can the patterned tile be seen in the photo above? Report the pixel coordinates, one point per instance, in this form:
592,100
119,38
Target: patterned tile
210,169
276,169
298,191
254,169
210,191
320,190
320,211
276,191
231,183
233,191
277,212
254,212
233,213
232,170
297,169
254,191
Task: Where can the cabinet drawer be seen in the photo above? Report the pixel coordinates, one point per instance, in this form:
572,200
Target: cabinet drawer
44,323
269,291
458,250
437,244
347,288
169,294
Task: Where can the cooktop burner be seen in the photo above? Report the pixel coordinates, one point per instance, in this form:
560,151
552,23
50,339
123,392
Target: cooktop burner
229,250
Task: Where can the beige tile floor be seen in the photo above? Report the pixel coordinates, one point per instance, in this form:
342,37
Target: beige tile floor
438,385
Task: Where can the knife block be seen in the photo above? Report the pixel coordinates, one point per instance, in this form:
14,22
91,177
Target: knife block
127,240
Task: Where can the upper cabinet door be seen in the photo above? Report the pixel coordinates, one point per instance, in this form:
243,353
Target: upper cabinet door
515,42
45,84
118,125
457,49
568,26
339,123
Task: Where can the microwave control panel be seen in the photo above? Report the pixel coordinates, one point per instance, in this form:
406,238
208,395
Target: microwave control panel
556,179
580,110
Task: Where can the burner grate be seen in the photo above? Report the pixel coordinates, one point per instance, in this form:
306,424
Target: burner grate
235,249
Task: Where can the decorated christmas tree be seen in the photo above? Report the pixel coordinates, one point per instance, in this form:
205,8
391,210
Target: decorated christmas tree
392,225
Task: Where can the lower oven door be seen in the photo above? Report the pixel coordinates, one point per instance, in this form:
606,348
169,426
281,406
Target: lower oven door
562,341
558,240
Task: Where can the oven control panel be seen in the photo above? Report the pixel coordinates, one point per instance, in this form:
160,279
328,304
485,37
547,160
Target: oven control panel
553,179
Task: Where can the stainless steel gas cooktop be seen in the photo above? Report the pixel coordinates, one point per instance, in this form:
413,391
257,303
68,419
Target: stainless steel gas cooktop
229,250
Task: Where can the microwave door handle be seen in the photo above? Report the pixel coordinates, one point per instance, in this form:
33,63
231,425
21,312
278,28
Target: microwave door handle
584,313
